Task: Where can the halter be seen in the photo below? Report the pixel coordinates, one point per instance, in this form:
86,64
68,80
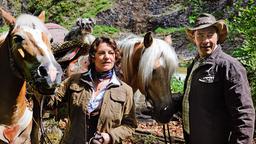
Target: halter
13,65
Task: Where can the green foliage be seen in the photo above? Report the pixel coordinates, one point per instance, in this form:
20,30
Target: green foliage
166,31
96,6
244,25
100,30
145,139
196,5
177,85
4,28
53,131
66,12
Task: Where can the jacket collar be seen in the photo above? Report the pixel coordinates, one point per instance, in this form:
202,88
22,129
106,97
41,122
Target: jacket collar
211,57
87,78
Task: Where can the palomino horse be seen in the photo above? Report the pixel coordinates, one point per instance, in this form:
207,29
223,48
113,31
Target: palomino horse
148,65
25,57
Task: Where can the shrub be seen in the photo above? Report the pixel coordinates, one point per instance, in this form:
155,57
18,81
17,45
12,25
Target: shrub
243,24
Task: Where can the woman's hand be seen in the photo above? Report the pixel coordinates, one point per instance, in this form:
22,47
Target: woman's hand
100,138
106,137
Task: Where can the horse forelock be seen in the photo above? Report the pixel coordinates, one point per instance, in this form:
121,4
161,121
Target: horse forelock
159,50
32,22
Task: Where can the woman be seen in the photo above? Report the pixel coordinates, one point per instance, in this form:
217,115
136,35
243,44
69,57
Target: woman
101,107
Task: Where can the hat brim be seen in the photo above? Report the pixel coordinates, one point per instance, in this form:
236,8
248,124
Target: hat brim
220,25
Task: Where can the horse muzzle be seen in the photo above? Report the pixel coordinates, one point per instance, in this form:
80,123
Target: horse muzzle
163,115
47,78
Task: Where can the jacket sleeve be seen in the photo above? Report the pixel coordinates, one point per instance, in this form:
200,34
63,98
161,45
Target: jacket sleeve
61,90
240,105
128,123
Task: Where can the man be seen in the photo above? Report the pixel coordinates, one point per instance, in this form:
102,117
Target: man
217,106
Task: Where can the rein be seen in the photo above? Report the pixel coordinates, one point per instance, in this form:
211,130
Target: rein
13,65
44,137
169,136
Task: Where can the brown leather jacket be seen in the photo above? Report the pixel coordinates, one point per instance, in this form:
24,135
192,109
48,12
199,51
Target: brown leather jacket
117,114
220,104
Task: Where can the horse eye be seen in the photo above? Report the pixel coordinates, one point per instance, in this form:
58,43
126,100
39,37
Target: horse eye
18,39
51,40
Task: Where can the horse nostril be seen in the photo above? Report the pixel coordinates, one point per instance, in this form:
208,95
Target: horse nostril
42,71
51,40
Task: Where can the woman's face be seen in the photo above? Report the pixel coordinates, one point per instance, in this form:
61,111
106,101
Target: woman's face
104,59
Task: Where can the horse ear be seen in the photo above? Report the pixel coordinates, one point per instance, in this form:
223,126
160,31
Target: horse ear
168,39
148,39
9,19
42,16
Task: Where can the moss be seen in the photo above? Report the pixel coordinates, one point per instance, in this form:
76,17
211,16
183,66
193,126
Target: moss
100,30
167,31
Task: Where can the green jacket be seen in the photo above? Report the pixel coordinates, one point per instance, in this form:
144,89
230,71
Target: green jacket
117,115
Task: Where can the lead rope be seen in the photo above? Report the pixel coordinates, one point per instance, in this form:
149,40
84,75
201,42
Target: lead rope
169,136
165,139
44,136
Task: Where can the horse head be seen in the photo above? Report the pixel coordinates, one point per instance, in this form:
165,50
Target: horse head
157,64
149,66
30,52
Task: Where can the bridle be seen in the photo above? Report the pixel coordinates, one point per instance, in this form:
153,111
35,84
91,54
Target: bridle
167,138
13,65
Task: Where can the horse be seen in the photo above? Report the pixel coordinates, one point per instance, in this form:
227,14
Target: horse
25,59
147,65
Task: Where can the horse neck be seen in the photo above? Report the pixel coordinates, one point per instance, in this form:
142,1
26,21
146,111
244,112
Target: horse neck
131,68
12,90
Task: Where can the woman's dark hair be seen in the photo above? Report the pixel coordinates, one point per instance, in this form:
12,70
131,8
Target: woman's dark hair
110,42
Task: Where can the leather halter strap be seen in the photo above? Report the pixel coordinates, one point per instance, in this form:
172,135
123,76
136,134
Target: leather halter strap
13,65
8,133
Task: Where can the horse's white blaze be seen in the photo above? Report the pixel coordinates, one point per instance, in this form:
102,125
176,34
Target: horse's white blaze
37,35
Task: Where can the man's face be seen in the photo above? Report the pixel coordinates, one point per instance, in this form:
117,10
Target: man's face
206,40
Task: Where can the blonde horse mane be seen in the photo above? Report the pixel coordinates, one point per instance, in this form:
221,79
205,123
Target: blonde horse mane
159,50
127,46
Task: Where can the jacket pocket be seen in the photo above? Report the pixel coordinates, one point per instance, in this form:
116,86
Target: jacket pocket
117,105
